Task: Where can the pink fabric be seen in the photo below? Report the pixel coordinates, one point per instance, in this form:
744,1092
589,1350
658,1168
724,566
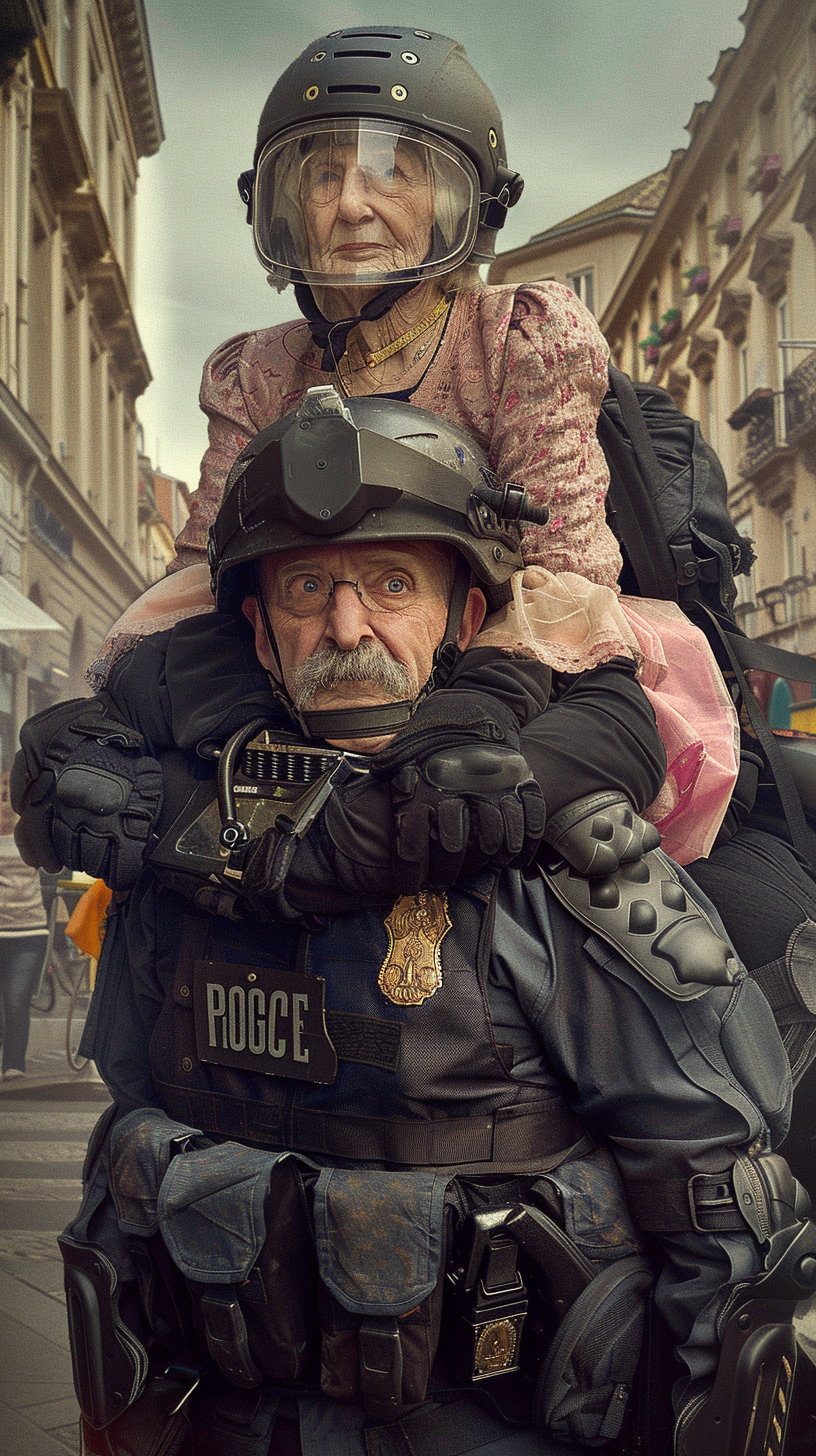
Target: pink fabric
563,619
697,722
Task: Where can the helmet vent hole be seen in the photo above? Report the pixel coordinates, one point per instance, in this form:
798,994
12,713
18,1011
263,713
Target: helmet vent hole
358,90
366,35
380,55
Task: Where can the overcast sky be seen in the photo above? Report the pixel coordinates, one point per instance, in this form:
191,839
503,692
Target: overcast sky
594,94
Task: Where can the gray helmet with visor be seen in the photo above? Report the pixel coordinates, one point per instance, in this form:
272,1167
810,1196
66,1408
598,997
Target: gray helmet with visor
388,116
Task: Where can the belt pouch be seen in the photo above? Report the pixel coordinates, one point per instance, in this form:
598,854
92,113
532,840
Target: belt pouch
381,1244
235,1222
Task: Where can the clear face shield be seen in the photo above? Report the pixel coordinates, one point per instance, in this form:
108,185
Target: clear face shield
354,203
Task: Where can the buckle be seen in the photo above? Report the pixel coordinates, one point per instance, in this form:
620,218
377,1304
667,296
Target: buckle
720,1199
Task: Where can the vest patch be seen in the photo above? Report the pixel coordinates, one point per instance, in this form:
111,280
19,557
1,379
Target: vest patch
412,970
263,1020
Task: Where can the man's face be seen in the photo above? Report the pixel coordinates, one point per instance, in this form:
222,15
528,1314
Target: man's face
357,625
369,212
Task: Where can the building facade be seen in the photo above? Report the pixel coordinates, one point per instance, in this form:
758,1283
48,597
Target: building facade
79,109
717,303
589,251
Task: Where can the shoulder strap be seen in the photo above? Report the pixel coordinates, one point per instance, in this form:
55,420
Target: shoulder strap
632,415
631,494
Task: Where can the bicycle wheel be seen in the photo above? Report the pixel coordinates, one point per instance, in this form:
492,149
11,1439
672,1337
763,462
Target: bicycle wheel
75,1062
45,995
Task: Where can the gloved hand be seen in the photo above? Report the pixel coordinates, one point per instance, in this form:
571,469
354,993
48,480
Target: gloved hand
86,792
462,792
449,796
599,833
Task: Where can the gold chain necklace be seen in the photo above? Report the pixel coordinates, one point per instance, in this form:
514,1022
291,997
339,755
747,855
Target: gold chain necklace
408,337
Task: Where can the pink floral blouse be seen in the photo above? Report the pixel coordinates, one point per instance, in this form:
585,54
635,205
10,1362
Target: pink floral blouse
521,369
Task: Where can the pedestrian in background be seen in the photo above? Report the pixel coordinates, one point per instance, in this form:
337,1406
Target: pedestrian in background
23,940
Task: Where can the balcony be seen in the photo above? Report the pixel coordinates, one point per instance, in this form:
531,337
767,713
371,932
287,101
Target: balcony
800,400
784,614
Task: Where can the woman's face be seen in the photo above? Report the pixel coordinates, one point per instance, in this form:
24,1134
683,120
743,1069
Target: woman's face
366,209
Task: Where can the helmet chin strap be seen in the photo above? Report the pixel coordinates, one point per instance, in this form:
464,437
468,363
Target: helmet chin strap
377,719
332,335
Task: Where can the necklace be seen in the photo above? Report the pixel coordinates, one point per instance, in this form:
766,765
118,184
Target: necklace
379,355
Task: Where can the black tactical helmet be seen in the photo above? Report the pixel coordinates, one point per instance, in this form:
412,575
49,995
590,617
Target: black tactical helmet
366,469
408,83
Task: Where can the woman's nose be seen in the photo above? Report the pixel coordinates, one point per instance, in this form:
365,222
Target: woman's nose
354,204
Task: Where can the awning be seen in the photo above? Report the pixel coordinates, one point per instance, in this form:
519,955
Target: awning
19,617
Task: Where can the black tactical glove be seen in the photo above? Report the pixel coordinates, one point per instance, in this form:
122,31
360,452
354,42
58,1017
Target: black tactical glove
600,832
450,796
86,792
463,795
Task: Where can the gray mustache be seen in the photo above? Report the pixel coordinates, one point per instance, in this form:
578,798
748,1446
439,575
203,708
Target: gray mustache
367,663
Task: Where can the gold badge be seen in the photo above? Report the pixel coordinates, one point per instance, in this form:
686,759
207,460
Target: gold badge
412,969
496,1347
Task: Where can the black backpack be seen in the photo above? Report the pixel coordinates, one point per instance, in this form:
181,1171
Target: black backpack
667,504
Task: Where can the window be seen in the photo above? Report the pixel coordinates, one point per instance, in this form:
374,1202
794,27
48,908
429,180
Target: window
732,191
708,412
634,350
742,365
789,536
767,122
783,325
801,114
746,585
676,279
701,237
583,286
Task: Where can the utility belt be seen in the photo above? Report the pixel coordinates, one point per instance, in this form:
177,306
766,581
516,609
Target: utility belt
191,1261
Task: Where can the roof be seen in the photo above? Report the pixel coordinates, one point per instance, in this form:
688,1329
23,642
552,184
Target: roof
639,199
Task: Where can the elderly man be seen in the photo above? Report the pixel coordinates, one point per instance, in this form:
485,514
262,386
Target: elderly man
383,1179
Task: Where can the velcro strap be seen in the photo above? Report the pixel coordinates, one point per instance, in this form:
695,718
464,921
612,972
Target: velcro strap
703,1204
369,1040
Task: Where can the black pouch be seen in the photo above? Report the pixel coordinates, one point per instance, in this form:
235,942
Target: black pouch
222,1247
381,1246
236,1224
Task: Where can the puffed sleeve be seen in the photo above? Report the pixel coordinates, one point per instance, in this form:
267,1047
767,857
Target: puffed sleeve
230,428
548,363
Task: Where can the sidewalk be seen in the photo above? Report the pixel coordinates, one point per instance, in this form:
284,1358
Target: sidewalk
45,1120
48,1072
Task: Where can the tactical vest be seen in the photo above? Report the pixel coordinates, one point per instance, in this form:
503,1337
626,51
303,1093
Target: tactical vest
369,1040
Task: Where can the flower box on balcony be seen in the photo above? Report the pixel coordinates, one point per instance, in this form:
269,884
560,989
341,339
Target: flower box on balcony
728,231
670,325
767,172
651,347
697,279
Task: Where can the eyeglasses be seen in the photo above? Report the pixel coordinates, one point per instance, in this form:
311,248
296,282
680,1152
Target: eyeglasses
388,171
308,593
